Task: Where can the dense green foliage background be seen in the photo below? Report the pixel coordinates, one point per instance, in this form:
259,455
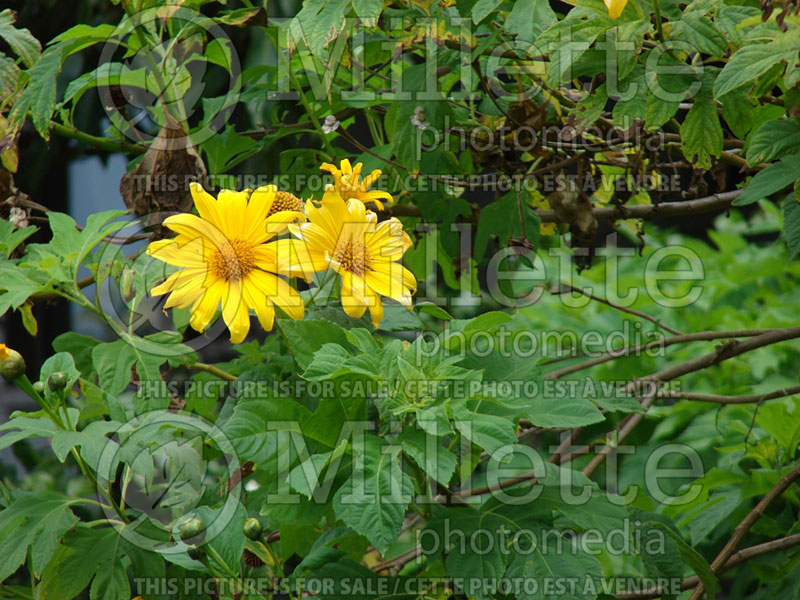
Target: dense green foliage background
544,158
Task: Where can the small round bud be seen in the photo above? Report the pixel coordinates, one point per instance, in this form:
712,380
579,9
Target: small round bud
12,365
38,387
252,528
57,381
191,528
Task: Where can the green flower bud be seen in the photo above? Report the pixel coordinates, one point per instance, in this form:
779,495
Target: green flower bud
38,387
12,365
191,528
252,528
57,381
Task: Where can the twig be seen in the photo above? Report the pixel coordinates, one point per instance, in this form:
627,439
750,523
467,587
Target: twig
611,213
723,352
625,309
636,349
750,398
738,557
745,525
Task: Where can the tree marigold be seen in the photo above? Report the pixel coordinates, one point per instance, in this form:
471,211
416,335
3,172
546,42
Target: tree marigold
347,238
224,258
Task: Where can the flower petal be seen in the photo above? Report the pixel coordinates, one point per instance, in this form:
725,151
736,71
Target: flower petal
235,313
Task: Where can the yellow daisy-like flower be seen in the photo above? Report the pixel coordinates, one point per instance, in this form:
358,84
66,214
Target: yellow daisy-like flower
348,182
4,352
346,237
615,7
225,259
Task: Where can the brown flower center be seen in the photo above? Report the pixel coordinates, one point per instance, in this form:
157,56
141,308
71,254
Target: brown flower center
285,201
353,256
233,261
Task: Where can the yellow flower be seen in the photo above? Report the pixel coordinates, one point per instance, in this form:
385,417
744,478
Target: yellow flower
225,259
346,237
615,7
281,201
348,182
4,353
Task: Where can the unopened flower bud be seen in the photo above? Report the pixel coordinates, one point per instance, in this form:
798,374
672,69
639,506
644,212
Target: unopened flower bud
191,528
252,528
57,381
12,365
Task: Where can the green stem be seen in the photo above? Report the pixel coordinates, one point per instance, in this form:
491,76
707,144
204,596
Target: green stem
659,28
198,366
101,143
219,560
307,105
26,386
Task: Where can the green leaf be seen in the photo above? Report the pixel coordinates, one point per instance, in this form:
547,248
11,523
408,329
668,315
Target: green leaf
490,432
79,346
36,521
228,149
88,554
528,19
10,237
429,454
791,223
739,112
29,425
550,562
482,8
60,362
700,33
559,412
317,23
39,96
368,10
332,361
669,81
701,132
21,41
773,179
774,139
692,558
501,218
566,53
747,64
374,500
306,337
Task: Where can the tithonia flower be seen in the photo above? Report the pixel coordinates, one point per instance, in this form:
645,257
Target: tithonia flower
225,259
615,7
348,182
346,237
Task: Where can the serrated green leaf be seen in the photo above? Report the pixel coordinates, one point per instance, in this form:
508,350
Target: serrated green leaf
747,64
374,500
21,41
772,140
773,179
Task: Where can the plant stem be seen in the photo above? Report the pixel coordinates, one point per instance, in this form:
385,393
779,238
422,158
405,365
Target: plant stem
307,105
101,143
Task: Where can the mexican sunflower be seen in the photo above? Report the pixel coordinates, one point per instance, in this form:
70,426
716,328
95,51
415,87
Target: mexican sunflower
224,258
347,238
615,7
347,181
